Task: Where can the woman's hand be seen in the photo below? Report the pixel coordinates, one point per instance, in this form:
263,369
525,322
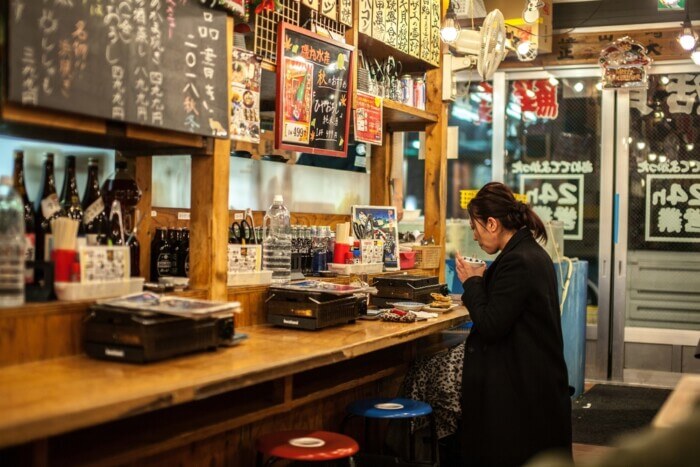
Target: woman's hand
466,270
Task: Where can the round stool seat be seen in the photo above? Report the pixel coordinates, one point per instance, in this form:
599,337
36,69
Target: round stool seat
388,407
307,445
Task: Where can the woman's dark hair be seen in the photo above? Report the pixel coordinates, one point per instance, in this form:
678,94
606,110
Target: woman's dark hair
496,200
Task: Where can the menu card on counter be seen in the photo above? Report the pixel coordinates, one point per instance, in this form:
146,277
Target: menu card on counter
157,63
314,89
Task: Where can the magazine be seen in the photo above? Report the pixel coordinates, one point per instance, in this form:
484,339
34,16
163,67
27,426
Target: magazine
173,305
325,287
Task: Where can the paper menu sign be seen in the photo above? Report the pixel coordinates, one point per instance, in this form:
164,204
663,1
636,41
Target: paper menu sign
104,263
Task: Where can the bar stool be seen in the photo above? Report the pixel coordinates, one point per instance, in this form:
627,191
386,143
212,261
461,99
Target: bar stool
305,445
396,409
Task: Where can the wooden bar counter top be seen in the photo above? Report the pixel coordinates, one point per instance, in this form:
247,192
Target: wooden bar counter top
47,398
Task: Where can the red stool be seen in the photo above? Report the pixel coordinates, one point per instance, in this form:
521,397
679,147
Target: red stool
306,445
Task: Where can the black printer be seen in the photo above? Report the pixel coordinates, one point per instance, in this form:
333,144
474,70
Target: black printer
141,336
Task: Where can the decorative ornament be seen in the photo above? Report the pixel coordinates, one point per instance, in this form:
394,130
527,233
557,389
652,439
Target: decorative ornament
625,64
264,5
531,13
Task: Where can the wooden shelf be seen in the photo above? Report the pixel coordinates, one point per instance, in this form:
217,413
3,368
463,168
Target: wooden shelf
86,392
372,48
400,117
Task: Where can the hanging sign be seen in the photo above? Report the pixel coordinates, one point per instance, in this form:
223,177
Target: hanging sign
368,119
329,9
345,12
672,211
245,96
557,198
314,85
624,64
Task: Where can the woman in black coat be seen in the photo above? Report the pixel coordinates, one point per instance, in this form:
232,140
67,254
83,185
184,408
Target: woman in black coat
515,393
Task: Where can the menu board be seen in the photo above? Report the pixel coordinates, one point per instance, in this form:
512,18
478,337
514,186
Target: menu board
159,63
314,89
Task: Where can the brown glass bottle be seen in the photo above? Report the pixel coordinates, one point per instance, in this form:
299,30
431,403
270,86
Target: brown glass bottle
160,255
70,200
123,188
94,215
29,214
183,255
47,207
174,240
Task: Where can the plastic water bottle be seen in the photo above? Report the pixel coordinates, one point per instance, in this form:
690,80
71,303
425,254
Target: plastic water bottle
12,245
277,242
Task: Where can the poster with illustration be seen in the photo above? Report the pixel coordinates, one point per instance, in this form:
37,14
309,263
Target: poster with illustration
297,101
314,89
378,223
245,96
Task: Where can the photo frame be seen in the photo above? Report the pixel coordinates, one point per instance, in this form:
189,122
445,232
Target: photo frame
378,223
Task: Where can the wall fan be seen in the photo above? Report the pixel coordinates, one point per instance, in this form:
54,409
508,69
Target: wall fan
485,48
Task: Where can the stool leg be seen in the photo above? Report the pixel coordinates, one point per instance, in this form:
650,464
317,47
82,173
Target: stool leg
259,459
351,461
433,440
411,441
271,460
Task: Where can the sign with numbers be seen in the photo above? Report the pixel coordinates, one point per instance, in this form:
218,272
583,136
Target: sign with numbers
314,88
557,198
672,208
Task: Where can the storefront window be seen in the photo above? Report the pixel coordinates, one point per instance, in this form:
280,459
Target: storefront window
552,154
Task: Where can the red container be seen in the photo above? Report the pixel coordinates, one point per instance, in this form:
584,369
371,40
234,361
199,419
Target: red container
62,264
407,259
340,252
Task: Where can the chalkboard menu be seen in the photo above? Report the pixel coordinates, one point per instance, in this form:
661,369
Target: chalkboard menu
161,63
314,89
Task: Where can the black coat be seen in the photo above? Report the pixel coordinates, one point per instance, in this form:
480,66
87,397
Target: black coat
515,392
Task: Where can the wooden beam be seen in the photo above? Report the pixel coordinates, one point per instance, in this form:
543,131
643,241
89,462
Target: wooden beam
380,173
435,197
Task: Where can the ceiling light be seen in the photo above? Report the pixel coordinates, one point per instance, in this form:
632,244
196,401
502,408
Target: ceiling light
450,27
662,158
599,86
687,37
689,147
665,80
652,156
578,86
641,145
695,56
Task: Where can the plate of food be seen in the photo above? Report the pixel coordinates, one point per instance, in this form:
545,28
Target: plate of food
409,306
440,304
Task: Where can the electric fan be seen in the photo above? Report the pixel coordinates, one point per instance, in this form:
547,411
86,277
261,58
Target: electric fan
486,48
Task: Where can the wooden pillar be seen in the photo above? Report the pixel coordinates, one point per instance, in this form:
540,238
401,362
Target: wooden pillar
380,173
209,208
144,234
435,207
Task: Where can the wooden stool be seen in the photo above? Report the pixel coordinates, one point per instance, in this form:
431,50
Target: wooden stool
306,445
393,409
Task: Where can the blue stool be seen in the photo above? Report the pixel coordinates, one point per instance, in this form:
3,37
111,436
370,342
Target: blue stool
396,408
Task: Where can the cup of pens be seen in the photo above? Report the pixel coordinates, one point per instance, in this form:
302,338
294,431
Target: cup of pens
64,254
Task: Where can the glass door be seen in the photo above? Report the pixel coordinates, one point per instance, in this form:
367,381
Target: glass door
557,147
656,311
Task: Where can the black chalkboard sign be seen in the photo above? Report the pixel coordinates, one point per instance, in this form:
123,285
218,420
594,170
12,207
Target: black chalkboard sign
160,63
314,89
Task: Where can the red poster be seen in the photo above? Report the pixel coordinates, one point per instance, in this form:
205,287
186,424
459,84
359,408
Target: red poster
368,118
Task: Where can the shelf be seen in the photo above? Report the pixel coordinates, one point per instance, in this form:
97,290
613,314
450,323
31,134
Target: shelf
372,48
400,117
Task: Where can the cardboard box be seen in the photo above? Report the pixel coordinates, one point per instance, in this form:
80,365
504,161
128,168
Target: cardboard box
539,33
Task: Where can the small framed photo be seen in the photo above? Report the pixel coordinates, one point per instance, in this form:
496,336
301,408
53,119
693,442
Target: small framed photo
378,223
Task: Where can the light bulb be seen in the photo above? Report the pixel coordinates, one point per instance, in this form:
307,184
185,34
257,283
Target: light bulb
599,86
665,80
578,86
523,47
687,38
695,56
553,81
652,156
662,158
450,27
689,147
641,145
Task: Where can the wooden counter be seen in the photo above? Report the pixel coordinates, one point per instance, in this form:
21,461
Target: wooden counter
42,399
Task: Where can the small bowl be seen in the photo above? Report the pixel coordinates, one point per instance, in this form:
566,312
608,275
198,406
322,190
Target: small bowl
409,306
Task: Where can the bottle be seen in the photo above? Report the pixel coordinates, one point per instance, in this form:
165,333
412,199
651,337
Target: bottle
134,255
116,225
277,242
29,214
94,216
121,186
174,239
48,208
160,255
70,200
183,258
12,245
318,253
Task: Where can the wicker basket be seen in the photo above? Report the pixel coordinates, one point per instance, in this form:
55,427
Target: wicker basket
428,256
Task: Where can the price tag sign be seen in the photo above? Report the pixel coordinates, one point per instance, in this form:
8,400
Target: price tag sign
672,208
557,198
